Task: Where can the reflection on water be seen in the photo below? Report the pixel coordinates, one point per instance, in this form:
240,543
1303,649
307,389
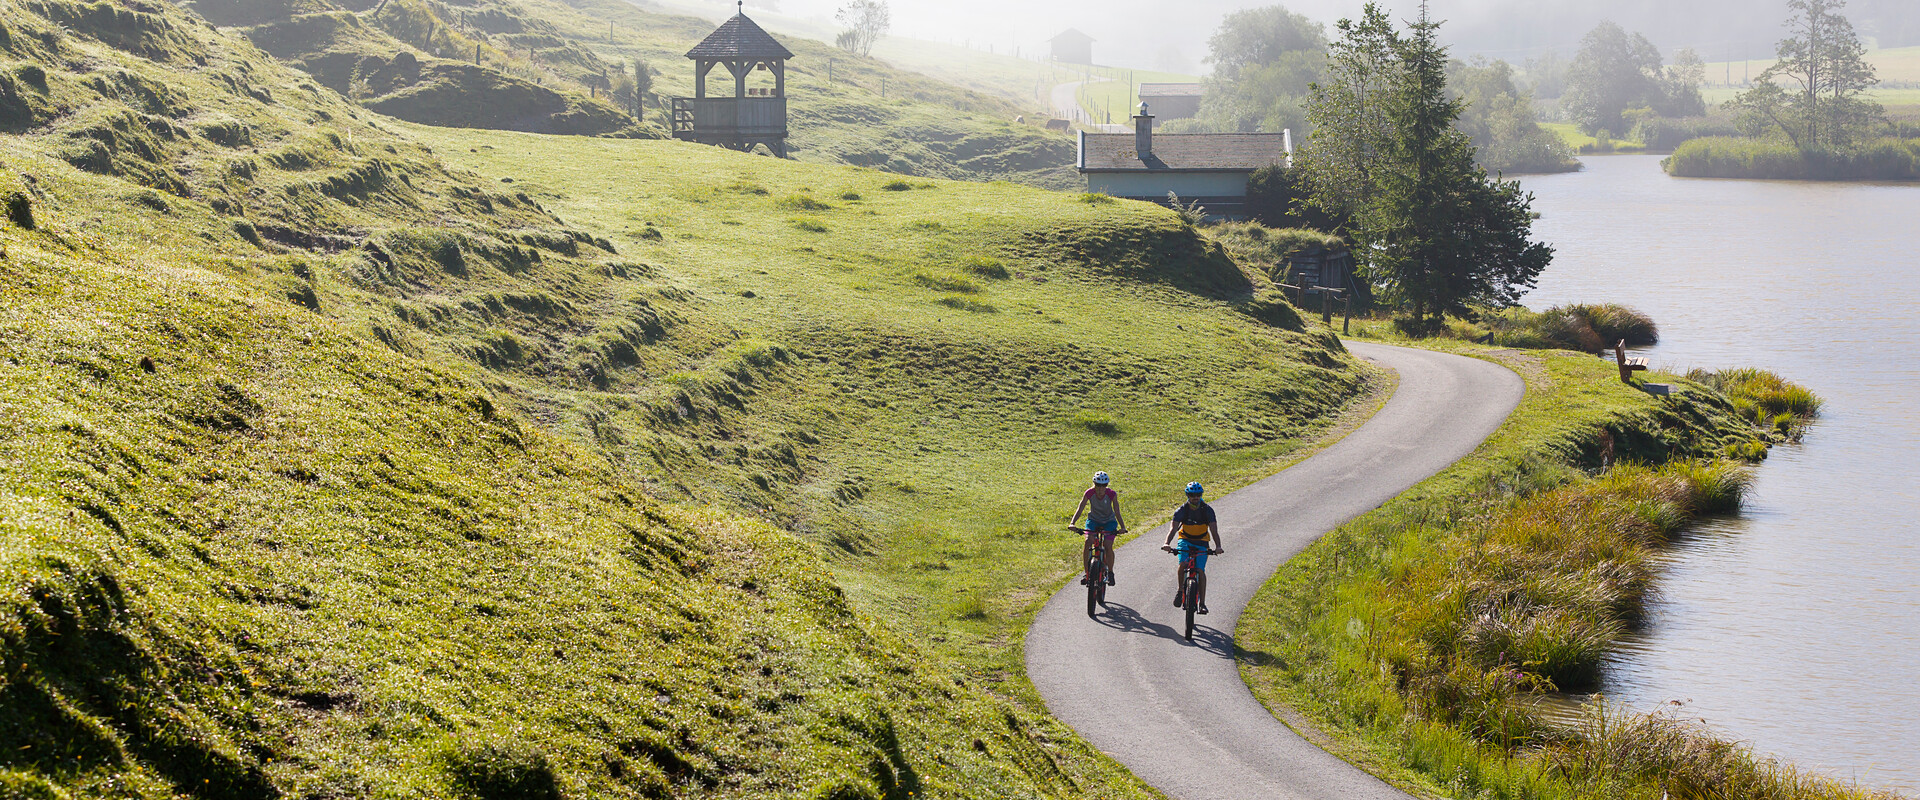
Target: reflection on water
1795,626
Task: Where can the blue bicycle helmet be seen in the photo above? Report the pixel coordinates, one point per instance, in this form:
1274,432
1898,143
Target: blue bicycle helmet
1195,488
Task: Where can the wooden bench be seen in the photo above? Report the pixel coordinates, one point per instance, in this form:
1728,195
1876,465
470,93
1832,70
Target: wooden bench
1628,365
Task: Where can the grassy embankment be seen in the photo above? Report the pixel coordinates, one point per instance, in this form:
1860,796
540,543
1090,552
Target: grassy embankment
1419,637
865,113
331,470
1723,157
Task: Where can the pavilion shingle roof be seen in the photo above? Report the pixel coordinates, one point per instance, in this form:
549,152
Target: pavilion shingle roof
1110,152
739,38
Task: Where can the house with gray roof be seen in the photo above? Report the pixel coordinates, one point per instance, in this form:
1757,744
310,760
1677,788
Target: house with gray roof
1211,168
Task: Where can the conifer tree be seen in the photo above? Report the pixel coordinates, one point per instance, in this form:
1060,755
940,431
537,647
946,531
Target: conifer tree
1438,236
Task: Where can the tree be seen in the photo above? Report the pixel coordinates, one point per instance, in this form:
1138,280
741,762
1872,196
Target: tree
1439,237
1823,67
1613,72
642,86
1257,37
866,21
1264,60
1500,120
1349,113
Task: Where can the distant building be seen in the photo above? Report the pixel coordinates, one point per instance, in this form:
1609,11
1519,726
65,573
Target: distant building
1172,100
1211,168
1072,47
750,116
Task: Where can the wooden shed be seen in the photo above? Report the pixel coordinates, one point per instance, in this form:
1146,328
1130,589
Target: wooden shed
1072,47
1173,100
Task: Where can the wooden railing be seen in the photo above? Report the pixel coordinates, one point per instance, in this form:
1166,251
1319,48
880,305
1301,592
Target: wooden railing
730,116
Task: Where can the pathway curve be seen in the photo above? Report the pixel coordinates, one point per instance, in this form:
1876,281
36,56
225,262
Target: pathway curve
1066,105
1177,713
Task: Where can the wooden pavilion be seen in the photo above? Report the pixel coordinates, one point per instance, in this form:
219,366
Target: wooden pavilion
750,116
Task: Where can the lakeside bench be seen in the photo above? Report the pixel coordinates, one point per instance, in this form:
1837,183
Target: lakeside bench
1628,364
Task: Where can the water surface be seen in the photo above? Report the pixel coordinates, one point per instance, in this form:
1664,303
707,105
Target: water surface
1795,626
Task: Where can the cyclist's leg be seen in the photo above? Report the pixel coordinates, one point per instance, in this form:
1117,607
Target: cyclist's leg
1200,568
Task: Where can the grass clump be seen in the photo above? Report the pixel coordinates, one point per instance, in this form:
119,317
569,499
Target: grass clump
1096,422
895,186
1096,199
808,225
946,283
1764,398
967,304
803,202
986,267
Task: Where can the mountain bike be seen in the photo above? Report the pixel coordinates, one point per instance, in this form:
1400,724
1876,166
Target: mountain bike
1189,586
1095,574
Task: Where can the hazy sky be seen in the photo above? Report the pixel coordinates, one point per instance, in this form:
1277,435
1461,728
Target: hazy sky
1136,32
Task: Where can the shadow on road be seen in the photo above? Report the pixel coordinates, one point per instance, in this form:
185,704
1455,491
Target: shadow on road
1126,620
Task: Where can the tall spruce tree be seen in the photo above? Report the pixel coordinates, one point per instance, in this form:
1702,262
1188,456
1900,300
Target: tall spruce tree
1439,237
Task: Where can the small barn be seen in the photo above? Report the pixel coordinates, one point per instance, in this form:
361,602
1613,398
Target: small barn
1072,47
749,115
1173,100
1210,168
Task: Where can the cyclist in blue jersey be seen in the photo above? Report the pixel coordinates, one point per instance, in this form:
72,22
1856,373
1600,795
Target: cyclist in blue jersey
1199,532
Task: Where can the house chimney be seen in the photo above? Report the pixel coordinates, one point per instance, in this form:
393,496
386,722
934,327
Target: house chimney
1143,133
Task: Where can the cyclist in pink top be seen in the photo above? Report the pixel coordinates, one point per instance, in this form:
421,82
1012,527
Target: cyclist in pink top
1102,506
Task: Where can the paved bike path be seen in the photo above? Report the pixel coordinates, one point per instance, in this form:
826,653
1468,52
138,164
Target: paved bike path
1177,713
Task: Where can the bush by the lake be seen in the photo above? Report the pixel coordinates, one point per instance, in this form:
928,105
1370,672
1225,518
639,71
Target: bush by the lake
1585,327
1726,157
1666,134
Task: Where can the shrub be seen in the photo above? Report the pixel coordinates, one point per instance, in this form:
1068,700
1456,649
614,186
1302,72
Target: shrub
895,186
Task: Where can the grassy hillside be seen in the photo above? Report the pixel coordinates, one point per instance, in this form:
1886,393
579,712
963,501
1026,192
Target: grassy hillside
541,59
335,469
966,356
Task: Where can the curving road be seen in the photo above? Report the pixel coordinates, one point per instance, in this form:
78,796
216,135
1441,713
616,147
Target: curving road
1177,713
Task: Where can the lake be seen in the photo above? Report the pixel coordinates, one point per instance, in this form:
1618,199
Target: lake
1796,625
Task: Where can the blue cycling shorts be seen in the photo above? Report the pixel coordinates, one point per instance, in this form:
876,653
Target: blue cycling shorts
1198,549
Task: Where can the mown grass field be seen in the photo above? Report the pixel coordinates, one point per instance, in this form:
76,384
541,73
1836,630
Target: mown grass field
1584,144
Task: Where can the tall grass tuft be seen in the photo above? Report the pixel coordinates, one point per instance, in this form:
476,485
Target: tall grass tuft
1764,398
